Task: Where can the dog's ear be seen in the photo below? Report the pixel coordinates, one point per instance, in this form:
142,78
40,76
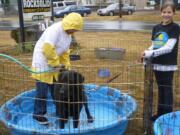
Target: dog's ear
63,76
67,77
79,78
71,77
82,78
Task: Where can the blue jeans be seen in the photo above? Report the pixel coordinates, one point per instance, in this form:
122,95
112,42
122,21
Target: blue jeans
41,97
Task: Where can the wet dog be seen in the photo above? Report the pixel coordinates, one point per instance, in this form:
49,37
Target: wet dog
70,97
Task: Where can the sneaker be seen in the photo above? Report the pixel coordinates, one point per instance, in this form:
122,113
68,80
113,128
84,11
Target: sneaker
42,120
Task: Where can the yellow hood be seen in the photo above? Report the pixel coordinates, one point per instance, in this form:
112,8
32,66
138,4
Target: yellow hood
72,21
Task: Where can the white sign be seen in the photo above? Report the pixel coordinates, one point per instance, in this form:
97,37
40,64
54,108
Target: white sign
36,9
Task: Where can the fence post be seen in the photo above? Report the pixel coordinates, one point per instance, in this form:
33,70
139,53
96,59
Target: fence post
21,24
148,98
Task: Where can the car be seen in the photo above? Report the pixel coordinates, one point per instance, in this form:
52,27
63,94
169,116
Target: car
63,3
178,5
113,9
83,11
151,3
60,5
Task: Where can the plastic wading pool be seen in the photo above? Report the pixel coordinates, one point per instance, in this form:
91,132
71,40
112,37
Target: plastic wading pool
109,107
168,124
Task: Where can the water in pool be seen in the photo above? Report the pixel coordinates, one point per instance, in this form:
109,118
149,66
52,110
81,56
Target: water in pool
108,106
104,116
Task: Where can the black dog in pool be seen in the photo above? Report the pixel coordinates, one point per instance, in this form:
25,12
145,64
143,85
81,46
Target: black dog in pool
70,97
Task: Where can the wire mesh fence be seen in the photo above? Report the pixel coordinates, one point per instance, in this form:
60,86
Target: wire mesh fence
105,73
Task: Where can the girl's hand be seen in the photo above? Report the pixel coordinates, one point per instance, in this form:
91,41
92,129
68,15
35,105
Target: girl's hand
141,59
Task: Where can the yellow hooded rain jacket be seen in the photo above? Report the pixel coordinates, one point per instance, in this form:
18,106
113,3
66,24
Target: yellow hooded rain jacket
52,49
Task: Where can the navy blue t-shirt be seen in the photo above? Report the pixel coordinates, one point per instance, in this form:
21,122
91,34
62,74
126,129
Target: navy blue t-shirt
160,35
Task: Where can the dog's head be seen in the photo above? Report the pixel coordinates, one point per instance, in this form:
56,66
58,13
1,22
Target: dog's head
71,77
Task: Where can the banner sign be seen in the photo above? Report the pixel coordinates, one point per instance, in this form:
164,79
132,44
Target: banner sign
32,6
36,9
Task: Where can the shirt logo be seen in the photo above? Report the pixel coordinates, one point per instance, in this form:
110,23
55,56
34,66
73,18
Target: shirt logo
160,40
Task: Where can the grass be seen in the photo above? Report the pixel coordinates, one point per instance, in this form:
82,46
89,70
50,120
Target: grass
142,16
5,39
148,16
15,80
88,65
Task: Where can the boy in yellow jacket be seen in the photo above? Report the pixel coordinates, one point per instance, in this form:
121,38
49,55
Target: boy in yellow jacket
51,51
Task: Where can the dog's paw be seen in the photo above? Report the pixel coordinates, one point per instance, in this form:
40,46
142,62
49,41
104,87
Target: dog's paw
90,119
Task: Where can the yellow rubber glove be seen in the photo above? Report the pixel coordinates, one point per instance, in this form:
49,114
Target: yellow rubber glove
51,55
65,60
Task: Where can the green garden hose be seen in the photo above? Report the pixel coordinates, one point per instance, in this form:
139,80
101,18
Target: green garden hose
26,67
160,131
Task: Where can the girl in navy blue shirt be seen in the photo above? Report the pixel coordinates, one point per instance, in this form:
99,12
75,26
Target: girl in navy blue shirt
164,52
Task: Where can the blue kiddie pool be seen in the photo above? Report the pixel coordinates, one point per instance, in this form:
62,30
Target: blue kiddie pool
110,108
168,124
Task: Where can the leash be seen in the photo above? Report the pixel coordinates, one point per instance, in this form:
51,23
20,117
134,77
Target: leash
107,82
26,67
111,79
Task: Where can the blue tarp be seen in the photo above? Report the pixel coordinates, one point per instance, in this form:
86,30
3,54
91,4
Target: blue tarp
168,124
109,107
